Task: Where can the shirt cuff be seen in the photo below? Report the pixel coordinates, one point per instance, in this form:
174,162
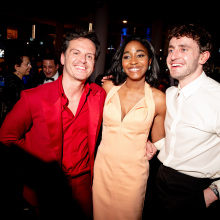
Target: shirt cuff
160,144
217,183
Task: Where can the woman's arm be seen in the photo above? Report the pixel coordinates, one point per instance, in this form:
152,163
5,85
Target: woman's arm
157,129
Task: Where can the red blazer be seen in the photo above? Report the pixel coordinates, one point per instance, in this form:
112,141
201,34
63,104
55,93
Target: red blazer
35,124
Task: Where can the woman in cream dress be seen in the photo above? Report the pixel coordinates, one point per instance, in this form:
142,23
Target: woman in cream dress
133,109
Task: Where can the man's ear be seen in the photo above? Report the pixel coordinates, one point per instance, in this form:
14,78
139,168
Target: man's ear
94,68
204,57
57,66
62,58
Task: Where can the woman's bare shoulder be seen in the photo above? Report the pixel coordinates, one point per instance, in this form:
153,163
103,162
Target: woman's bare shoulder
158,94
159,98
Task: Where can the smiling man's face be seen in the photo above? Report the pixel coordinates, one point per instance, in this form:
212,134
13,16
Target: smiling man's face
183,57
79,59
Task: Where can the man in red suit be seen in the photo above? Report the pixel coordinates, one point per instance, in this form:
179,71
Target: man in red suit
60,121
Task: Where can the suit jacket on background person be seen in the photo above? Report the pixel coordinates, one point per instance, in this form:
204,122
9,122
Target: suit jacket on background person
41,77
38,115
11,93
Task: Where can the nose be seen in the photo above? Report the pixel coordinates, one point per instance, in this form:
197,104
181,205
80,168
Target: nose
82,58
174,55
133,60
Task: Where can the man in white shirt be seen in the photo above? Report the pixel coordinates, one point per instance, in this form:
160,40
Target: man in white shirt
50,66
188,181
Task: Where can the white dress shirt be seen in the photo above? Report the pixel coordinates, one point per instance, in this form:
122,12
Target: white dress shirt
192,126
55,78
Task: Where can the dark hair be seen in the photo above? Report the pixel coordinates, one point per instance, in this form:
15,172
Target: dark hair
50,56
16,59
116,67
91,35
197,33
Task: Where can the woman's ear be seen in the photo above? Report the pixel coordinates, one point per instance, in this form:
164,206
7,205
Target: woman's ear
16,66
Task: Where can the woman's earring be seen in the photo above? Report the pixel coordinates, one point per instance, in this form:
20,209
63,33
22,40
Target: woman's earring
149,67
122,70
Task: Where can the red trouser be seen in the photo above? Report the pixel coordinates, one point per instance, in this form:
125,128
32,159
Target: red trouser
82,193
56,199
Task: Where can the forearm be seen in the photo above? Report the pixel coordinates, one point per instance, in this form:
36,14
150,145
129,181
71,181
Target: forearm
8,138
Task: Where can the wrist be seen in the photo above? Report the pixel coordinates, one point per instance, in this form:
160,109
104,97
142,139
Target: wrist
214,189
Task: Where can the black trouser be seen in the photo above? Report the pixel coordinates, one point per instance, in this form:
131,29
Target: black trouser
182,194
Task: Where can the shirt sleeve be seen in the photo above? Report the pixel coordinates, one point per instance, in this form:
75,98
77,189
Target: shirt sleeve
217,183
160,144
218,122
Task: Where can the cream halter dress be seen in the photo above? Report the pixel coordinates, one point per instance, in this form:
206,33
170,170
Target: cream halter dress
121,168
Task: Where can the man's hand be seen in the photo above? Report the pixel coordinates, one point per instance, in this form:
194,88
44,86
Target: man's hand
209,196
151,150
105,78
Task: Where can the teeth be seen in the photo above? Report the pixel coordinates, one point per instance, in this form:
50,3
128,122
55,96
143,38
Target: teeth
134,69
81,67
175,64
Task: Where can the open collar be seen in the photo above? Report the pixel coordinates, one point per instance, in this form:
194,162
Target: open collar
192,87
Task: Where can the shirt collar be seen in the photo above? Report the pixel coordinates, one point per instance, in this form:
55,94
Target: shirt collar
56,76
192,87
64,100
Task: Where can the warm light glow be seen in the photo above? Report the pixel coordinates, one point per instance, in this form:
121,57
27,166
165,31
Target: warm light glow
12,33
125,21
90,26
33,31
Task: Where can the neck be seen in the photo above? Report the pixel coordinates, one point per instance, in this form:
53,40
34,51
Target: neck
73,89
134,86
18,74
190,78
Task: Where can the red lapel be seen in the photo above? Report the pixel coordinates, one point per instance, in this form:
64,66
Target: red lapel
54,124
94,121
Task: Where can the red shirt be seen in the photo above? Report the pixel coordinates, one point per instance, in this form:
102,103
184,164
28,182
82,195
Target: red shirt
75,159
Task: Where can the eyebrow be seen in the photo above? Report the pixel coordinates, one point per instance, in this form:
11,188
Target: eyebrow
80,51
181,45
136,51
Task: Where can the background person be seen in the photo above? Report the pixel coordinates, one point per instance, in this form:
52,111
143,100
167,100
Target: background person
50,67
19,67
